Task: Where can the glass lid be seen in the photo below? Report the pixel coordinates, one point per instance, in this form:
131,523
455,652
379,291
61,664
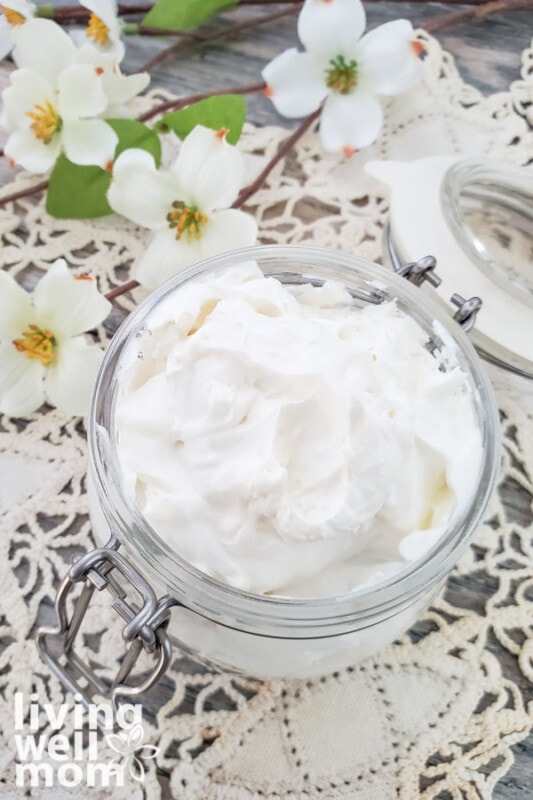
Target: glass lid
489,208
476,218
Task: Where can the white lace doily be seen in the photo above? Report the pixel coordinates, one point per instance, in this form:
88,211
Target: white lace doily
435,715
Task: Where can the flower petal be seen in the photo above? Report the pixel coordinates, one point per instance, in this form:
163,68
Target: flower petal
139,191
68,305
70,378
296,83
350,122
89,141
227,230
21,382
81,93
22,7
27,89
106,10
16,309
43,46
209,170
6,40
331,27
387,61
165,257
120,88
27,151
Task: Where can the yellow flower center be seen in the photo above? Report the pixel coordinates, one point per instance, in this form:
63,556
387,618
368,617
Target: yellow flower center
185,219
341,76
37,343
97,30
13,17
46,121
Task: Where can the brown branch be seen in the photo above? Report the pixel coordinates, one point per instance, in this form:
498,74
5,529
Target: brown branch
283,149
10,198
122,289
477,13
175,105
224,34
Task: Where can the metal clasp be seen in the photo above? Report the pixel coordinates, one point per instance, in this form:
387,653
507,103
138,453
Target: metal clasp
145,628
418,272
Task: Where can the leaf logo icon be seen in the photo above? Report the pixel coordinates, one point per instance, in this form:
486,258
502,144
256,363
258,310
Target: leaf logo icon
130,750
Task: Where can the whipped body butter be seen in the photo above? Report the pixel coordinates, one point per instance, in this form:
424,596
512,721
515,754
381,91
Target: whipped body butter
296,446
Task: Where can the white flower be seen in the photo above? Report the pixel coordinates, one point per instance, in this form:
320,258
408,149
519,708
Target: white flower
16,12
52,103
129,748
42,355
187,205
343,71
104,27
119,88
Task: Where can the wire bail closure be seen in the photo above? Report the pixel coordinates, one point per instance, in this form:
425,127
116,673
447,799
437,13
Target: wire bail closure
145,628
417,272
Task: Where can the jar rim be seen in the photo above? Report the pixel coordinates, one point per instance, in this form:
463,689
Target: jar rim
305,617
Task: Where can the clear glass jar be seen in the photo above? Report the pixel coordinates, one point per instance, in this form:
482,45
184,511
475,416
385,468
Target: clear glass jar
269,636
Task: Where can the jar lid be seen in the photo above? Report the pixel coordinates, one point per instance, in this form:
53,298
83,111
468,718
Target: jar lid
476,219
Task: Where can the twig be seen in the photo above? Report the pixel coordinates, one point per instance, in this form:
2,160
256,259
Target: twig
284,148
478,12
224,34
10,198
122,289
175,105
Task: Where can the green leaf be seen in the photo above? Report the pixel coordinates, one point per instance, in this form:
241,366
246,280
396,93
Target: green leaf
183,15
134,134
226,111
76,192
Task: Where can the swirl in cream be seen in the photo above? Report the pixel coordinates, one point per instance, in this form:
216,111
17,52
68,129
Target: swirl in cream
286,441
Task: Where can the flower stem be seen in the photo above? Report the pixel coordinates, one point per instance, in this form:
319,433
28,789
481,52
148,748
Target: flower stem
182,102
122,289
477,13
283,150
10,198
203,40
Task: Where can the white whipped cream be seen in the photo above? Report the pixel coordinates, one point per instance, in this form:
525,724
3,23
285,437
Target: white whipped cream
288,442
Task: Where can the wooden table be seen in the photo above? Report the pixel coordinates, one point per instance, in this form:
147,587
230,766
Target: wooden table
488,56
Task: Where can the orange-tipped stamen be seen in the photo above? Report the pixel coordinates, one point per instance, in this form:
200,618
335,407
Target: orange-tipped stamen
13,17
185,219
37,343
341,75
46,121
97,30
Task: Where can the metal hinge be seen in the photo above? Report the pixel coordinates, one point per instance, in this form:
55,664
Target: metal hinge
145,628
418,272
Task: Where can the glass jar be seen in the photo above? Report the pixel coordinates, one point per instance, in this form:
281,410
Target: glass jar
270,636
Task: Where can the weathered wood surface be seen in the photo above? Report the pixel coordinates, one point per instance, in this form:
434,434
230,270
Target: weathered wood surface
488,56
